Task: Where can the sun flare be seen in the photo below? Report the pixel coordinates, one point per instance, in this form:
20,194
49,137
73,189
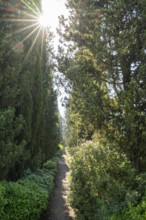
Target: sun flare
30,21
43,20
50,12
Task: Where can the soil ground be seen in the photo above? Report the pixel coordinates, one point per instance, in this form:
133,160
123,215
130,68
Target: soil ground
59,210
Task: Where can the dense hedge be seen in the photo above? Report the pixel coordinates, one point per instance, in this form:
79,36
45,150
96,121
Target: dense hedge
103,183
134,212
28,197
25,200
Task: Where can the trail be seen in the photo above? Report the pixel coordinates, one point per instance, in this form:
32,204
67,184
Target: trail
59,210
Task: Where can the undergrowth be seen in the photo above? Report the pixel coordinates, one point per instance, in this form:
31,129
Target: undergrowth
28,197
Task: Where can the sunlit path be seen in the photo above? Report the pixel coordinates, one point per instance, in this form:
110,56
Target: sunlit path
58,206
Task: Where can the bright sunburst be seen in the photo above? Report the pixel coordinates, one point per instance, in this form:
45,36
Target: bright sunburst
30,20
43,20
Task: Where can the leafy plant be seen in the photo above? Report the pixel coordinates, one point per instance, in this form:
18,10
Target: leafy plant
133,212
22,200
28,197
102,181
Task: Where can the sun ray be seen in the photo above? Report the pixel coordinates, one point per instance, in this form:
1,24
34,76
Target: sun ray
31,48
42,44
30,15
18,20
31,33
26,18
14,9
39,12
23,29
34,15
29,7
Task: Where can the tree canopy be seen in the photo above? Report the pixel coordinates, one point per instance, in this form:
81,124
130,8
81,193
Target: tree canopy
105,66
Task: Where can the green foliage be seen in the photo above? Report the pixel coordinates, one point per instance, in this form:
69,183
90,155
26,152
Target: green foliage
29,124
60,147
3,201
51,164
11,151
28,197
105,66
44,178
104,63
102,181
24,200
133,212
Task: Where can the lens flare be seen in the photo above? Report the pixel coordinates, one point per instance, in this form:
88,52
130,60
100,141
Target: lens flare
25,20
43,20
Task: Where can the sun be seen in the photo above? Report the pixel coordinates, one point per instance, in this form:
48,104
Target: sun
43,20
32,20
51,10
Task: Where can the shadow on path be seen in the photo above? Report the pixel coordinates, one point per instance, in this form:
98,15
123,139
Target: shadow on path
58,207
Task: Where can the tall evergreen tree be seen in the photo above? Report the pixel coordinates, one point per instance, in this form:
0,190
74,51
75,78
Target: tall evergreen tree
105,65
28,128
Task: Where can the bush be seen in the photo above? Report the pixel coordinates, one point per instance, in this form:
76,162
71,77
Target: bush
51,165
28,197
22,200
43,178
3,201
136,209
102,182
133,212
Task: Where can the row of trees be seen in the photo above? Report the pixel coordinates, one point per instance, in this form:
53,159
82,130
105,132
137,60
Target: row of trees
105,67
29,125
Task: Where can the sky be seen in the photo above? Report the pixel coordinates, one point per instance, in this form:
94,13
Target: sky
51,10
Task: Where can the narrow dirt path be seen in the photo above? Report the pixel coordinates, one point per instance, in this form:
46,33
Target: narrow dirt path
59,210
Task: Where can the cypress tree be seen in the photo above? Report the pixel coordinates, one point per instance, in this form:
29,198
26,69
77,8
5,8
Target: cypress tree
26,91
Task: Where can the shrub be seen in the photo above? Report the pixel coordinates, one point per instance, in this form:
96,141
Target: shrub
101,181
51,165
133,212
23,201
28,198
3,200
43,178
